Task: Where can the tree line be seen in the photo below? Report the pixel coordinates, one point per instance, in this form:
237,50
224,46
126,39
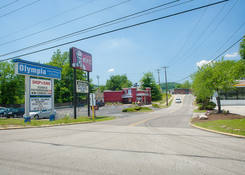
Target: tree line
12,86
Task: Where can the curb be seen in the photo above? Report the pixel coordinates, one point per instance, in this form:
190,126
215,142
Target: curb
217,132
44,126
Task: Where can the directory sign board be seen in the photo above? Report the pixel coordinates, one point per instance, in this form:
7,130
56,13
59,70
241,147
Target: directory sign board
40,103
80,59
35,69
82,87
40,87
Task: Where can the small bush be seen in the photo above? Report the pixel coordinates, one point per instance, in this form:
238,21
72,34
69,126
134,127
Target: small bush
207,106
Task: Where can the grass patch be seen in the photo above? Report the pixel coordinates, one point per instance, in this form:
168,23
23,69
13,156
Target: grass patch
137,109
199,111
154,105
235,126
66,120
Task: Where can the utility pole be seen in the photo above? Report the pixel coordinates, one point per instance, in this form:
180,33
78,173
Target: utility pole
98,78
158,73
166,83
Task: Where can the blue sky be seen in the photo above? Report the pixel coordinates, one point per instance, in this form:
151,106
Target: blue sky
179,42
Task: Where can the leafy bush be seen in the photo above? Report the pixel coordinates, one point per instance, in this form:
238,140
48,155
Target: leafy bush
207,106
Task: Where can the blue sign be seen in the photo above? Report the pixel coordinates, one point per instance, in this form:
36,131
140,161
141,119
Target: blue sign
35,69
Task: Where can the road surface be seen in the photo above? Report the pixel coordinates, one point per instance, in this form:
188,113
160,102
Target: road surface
160,142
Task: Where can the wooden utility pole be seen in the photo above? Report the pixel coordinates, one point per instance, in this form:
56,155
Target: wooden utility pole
166,83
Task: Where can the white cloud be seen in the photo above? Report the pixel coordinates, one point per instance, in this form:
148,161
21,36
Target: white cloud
202,63
235,54
111,70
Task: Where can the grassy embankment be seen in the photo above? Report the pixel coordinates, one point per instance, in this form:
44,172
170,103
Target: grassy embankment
4,123
234,126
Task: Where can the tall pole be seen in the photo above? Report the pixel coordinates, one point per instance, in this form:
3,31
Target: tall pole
158,73
98,78
166,83
75,93
88,97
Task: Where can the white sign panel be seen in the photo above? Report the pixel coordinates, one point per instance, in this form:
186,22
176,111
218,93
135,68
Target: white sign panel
82,87
40,103
92,100
40,87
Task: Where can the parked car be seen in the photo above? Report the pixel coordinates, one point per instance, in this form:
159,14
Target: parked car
41,114
100,103
3,111
178,100
15,112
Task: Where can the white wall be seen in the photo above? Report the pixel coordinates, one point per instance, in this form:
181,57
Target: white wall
230,102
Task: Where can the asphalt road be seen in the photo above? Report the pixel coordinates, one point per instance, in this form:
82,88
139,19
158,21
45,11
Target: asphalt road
154,143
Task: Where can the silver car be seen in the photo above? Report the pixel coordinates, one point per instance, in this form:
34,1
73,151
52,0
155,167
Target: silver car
41,114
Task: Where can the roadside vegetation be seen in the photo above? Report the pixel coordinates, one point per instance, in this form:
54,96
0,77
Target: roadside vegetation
5,123
162,103
199,111
212,79
137,109
234,126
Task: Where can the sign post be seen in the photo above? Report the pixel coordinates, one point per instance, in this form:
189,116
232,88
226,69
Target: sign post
39,93
83,61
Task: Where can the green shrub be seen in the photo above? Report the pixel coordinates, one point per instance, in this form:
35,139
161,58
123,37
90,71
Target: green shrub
207,106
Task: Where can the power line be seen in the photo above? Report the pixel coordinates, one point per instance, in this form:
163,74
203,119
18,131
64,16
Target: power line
202,34
215,29
47,19
13,11
118,29
231,36
66,22
115,21
109,23
188,36
6,5
222,53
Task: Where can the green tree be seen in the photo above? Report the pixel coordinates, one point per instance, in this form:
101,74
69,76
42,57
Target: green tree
64,87
12,87
149,81
117,82
185,85
242,48
216,77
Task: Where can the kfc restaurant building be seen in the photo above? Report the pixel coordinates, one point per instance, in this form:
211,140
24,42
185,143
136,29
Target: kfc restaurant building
128,95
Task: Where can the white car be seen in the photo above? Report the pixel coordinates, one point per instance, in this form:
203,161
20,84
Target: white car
41,114
178,100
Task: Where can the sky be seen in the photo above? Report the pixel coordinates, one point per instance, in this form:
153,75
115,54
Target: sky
182,43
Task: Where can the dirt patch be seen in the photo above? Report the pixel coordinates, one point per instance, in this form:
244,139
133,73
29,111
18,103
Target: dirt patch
222,116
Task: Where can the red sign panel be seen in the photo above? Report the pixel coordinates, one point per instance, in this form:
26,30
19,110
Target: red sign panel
80,59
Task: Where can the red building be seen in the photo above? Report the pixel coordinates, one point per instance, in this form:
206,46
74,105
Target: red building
182,91
128,95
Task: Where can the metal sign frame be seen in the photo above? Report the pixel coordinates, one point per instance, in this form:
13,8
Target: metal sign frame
29,69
